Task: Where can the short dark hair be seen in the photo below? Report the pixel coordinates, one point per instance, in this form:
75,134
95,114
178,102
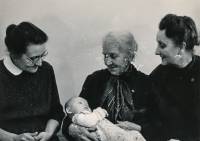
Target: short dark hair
18,37
180,29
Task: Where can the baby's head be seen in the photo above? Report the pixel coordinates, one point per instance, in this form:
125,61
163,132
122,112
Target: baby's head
76,105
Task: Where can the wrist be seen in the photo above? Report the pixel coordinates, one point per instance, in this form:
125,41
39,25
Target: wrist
50,133
13,137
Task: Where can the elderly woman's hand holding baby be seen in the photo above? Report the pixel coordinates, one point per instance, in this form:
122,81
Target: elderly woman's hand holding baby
128,125
82,133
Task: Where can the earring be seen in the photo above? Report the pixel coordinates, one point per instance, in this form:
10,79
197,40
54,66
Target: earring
178,56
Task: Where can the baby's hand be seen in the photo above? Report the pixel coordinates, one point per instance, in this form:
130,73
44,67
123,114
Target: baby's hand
102,113
105,112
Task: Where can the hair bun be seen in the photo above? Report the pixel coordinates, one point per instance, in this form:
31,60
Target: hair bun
10,29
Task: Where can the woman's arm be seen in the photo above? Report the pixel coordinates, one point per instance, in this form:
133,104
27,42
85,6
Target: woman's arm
51,128
6,136
56,112
65,128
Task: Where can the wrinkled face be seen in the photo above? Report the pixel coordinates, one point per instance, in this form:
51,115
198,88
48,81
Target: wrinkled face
79,104
166,49
33,53
115,59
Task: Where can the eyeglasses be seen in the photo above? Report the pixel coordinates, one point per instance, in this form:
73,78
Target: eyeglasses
36,59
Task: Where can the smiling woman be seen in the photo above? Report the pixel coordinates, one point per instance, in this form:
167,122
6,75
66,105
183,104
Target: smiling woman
176,82
120,89
37,59
30,108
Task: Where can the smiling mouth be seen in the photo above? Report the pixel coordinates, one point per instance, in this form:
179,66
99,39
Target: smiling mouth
112,67
34,67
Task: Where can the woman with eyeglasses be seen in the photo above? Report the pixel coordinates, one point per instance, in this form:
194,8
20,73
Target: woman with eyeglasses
30,108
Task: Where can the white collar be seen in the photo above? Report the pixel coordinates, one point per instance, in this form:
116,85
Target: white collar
11,67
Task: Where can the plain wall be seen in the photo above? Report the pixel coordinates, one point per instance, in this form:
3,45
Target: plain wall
76,27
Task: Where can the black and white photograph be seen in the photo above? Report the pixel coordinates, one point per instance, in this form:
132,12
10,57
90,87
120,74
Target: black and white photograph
99,70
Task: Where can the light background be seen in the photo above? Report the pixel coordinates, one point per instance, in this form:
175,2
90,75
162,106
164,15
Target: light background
76,27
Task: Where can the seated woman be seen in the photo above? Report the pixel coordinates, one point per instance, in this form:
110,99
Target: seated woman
30,108
120,89
79,112
175,107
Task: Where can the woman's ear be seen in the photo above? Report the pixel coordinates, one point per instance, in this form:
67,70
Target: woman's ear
182,48
68,111
130,57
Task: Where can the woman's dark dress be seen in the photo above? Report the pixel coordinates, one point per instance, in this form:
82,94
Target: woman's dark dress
175,107
29,100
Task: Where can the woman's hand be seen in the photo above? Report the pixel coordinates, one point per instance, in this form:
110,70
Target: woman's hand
50,130
25,137
128,125
43,136
81,133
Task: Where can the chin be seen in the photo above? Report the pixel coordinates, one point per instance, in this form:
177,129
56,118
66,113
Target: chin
164,63
114,73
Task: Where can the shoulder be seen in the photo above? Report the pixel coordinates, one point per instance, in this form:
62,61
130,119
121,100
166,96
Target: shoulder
1,66
99,74
159,70
141,74
197,58
46,67
138,74
1,63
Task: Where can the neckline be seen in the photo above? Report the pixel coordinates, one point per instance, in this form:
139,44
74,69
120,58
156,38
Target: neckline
11,67
181,73
130,70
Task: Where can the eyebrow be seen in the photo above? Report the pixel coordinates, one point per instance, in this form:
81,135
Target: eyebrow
38,55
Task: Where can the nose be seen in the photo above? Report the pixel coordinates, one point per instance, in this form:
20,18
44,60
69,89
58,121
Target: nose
39,63
157,52
108,61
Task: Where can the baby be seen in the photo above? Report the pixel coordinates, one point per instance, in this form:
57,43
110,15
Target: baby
79,111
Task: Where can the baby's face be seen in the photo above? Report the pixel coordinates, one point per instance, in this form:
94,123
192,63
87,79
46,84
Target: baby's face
79,104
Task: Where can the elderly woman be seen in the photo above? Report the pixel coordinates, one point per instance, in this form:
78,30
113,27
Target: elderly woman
120,89
176,82
30,108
